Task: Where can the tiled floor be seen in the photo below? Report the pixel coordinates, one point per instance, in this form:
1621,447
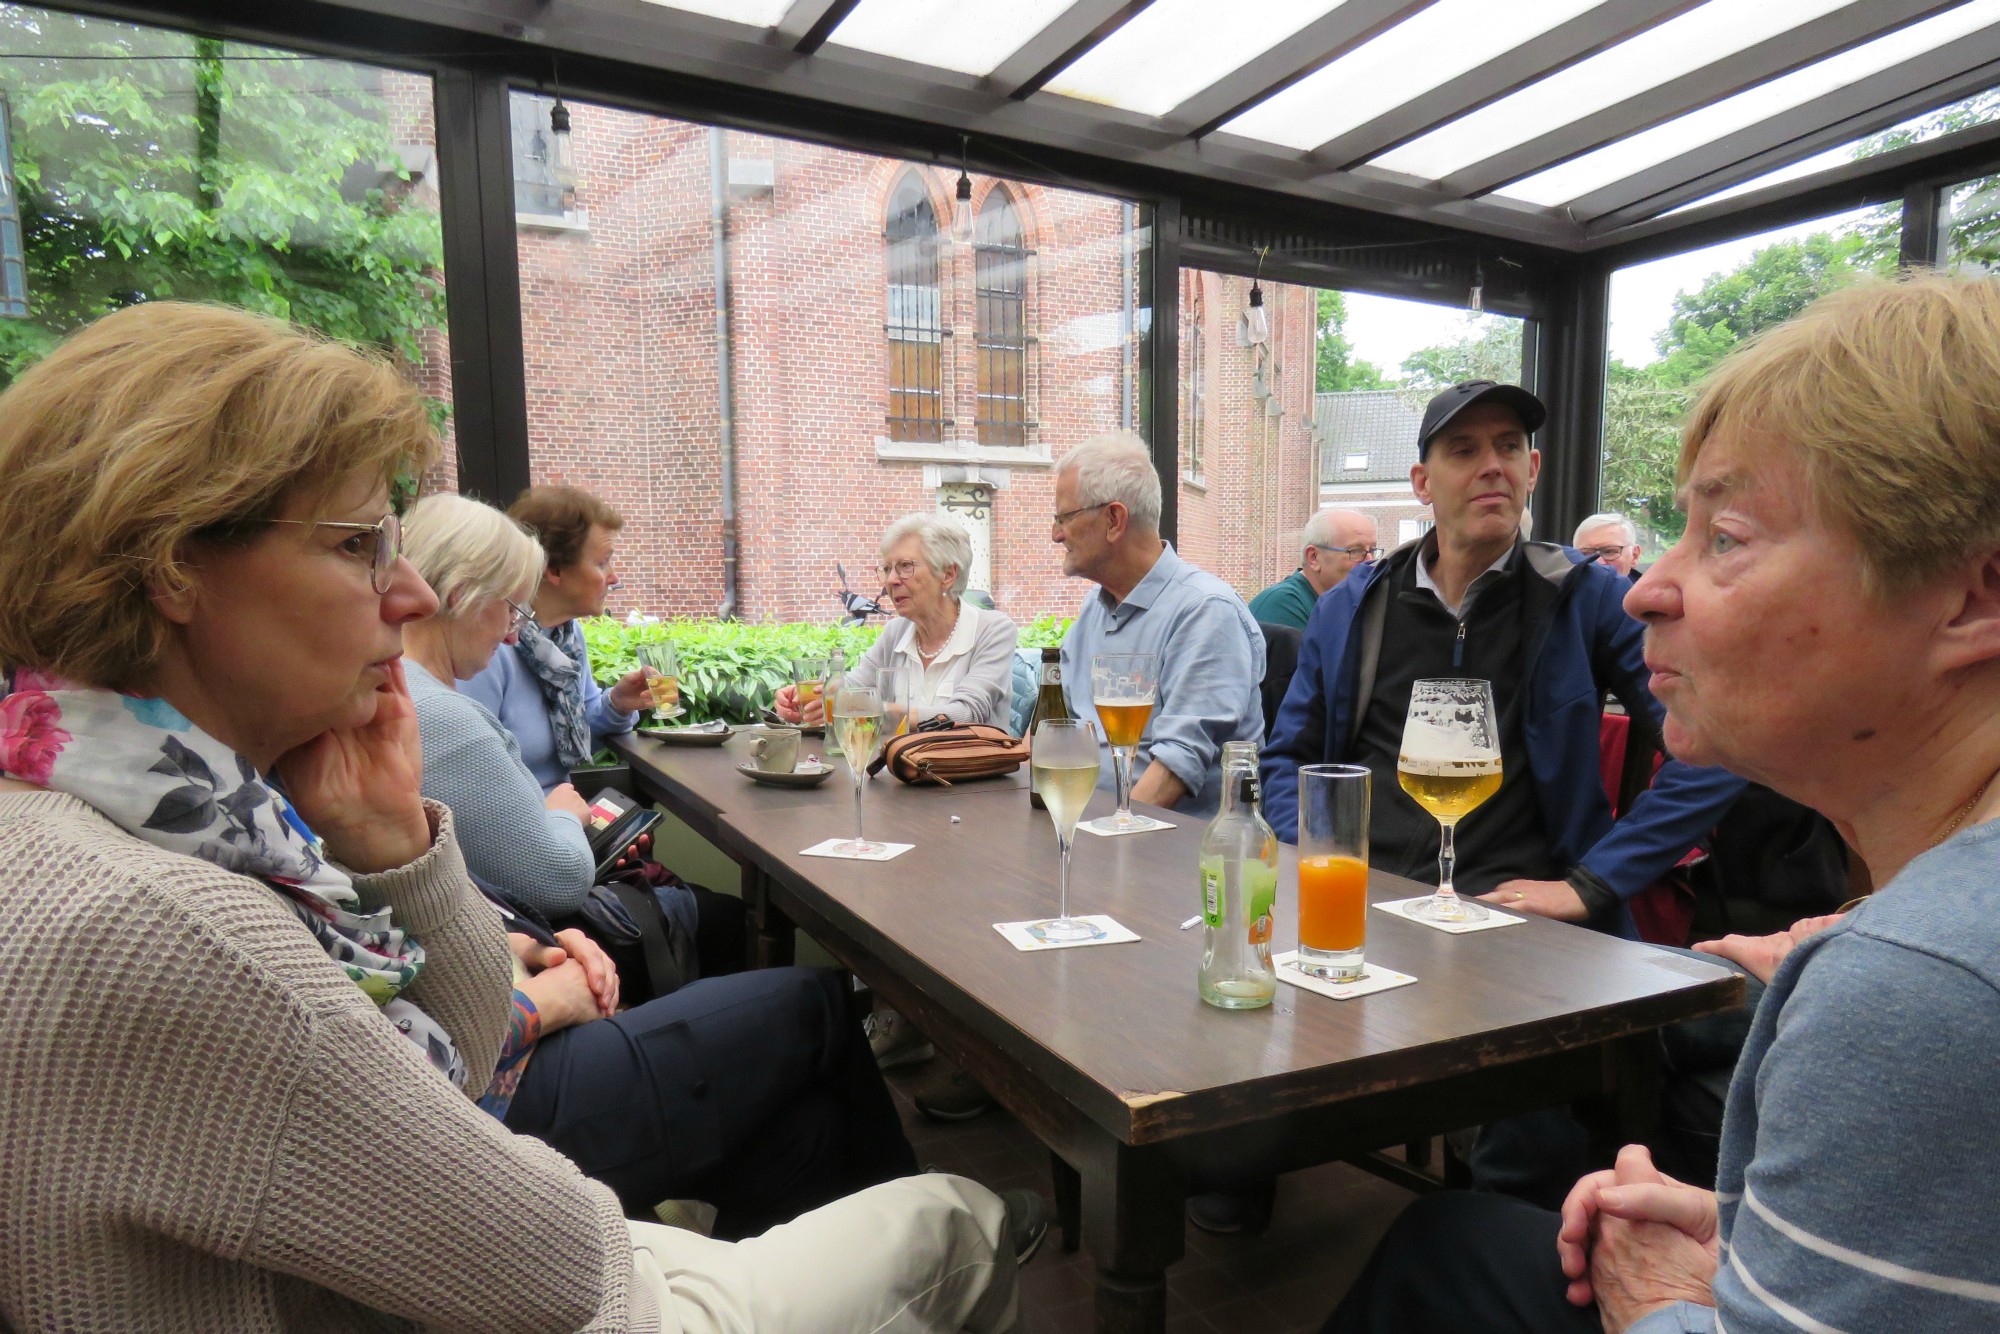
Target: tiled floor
1326,1222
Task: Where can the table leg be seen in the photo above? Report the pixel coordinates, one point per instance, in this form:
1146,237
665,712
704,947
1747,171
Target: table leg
1069,1201
1628,1111
770,929
1133,1200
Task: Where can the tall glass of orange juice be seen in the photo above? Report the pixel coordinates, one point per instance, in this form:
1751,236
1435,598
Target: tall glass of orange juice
1333,870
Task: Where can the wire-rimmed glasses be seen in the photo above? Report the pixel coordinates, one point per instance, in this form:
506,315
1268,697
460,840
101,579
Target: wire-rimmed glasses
388,544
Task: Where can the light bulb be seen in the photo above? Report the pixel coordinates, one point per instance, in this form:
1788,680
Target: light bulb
562,159
961,211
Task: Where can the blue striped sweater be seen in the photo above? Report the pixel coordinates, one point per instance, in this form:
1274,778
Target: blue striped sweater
1859,1181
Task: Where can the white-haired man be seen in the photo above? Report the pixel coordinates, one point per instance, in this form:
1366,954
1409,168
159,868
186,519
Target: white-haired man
1336,543
1149,600
1610,539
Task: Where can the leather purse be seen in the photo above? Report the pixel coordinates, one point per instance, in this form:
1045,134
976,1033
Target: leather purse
952,755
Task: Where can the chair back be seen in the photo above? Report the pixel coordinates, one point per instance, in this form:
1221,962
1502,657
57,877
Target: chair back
1281,662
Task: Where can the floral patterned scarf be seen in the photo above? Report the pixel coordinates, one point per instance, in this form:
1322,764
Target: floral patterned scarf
556,657
145,767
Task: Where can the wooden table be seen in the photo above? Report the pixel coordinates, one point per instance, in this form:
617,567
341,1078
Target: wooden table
1108,1054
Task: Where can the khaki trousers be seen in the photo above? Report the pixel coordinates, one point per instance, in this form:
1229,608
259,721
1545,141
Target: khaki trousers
920,1255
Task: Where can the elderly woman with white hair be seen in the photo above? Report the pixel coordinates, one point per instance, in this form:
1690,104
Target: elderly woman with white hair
960,657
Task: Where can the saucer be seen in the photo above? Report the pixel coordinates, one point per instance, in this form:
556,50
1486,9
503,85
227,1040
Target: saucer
698,734
803,776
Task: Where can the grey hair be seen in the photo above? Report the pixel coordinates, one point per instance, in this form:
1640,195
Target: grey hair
1118,467
944,543
1606,520
469,552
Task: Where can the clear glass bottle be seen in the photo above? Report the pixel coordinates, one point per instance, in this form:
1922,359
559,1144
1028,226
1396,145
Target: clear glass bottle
1239,890
1049,703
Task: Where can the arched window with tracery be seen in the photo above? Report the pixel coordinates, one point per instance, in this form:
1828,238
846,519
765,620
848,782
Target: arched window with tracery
916,315
1000,333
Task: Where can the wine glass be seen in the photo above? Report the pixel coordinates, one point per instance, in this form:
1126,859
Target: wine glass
1449,764
1064,764
1124,687
663,678
857,714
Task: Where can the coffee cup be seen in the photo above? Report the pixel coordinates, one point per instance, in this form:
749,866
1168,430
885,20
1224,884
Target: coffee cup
776,750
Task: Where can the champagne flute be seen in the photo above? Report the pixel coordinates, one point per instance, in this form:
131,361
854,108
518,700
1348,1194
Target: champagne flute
1064,765
663,678
1124,687
1449,764
857,714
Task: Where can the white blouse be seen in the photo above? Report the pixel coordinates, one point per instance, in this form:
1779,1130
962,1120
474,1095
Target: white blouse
972,678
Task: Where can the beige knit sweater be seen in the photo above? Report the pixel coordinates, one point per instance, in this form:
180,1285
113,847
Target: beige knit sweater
204,1126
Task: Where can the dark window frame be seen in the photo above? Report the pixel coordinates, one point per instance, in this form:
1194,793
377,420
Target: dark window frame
914,330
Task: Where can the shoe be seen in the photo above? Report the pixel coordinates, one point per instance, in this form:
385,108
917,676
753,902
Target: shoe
1245,1209
895,1040
1027,1222
960,1099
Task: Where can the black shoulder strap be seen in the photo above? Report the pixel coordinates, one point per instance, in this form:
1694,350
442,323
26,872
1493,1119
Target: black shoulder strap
663,970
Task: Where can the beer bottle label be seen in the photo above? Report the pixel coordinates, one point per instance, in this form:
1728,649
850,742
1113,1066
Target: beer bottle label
1211,896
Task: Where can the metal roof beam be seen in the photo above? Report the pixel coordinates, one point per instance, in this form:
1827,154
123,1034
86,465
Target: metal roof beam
1793,49
1875,180
1058,45
808,23
1584,36
1934,79
1315,46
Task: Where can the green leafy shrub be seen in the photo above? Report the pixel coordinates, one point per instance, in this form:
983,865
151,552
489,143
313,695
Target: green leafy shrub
730,670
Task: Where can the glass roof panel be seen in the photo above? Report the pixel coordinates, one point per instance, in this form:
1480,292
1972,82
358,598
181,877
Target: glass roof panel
756,13
1647,60
1648,148
1428,48
946,34
1172,49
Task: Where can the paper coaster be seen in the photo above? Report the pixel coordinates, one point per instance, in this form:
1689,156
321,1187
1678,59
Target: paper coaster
1149,825
1373,979
826,850
1021,935
1493,917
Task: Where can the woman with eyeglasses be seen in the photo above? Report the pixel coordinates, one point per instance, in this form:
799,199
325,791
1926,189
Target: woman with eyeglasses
960,657
533,849
264,994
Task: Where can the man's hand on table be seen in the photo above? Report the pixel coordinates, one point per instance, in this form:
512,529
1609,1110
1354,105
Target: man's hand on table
1543,898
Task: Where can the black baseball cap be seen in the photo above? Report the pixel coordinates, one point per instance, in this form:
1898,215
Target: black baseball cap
1440,411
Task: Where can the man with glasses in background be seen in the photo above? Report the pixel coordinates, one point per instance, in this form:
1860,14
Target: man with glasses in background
1610,539
1336,543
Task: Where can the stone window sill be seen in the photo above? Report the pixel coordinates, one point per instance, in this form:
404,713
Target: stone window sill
960,451
578,221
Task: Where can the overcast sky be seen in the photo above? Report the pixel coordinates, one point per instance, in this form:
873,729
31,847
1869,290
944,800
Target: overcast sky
1385,331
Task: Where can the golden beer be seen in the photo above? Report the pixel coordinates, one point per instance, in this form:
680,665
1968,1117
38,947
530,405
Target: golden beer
666,691
809,691
1449,789
1124,719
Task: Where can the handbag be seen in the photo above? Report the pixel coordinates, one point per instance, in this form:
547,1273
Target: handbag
952,754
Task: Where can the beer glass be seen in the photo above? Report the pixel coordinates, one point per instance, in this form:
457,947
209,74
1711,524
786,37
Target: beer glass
1064,764
663,678
1124,687
1333,869
857,713
1449,764
808,679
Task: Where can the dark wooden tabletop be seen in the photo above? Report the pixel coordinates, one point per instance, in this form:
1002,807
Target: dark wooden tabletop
1120,1031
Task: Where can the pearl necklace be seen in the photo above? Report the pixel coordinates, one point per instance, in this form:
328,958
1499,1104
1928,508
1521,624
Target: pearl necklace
929,653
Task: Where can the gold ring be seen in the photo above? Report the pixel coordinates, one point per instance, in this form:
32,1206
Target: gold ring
1517,898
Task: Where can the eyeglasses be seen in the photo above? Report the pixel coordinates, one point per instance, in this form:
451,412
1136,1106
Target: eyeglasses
386,544
1603,553
518,616
1358,553
1067,515
902,569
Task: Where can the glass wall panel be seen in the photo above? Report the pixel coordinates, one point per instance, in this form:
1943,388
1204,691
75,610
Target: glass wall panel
1325,412
1673,319
152,164
816,318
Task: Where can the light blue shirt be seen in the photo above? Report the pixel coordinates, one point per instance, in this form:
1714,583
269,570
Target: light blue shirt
1211,664
512,694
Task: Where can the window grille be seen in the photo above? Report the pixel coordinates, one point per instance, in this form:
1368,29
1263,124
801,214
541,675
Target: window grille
915,315
1000,333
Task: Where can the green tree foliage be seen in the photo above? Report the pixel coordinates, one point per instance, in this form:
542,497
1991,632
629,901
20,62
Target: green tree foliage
1338,369
154,165
1489,349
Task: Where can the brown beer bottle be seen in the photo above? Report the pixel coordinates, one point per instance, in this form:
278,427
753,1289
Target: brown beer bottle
1049,703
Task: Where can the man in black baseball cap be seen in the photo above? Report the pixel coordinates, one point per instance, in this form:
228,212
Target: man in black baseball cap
1465,393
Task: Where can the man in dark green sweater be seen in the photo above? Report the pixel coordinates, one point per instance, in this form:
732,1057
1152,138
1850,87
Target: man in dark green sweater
1336,542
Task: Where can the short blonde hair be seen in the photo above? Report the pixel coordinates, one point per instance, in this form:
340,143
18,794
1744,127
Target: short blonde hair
945,545
158,425
1117,466
469,553
1889,393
